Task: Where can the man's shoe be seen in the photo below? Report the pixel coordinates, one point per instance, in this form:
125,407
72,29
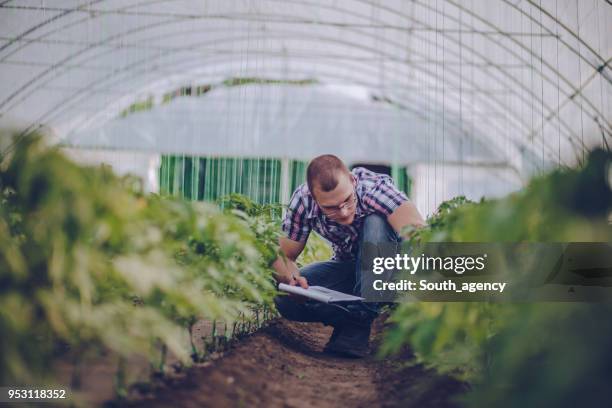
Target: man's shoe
350,340
328,347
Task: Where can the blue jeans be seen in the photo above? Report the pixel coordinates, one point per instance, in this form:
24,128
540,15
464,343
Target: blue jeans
343,276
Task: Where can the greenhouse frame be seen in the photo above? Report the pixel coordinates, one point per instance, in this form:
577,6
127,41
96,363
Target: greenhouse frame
157,155
509,89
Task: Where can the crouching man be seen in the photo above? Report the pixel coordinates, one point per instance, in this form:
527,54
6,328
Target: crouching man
347,209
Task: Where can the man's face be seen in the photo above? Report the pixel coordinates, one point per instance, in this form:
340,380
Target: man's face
340,203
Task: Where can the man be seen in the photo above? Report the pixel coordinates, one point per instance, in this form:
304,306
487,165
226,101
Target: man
347,209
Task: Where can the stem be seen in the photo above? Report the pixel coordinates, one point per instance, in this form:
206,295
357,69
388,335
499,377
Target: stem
75,380
194,351
162,362
214,335
120,387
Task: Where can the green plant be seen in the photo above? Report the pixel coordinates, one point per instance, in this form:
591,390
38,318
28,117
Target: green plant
90,261
519,354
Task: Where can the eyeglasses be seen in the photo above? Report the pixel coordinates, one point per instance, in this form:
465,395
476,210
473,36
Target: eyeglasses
349,204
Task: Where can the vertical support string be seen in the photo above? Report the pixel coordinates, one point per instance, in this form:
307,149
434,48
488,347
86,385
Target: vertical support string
580,81
558,87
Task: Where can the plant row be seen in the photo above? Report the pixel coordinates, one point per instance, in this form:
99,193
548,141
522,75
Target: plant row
87,261
554,354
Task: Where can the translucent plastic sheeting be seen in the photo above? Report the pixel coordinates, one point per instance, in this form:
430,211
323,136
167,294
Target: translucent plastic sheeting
298,122
527,82
143,165
433,184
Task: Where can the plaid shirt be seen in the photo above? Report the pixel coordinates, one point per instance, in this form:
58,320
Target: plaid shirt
376,193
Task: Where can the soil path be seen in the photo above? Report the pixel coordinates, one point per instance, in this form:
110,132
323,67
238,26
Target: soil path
283,366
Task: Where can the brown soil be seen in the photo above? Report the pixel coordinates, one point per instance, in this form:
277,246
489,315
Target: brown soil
96,371
283,365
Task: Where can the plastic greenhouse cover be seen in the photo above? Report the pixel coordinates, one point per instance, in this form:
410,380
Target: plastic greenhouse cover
531,79
259,121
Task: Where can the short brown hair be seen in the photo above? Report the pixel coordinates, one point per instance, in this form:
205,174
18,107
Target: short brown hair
324,170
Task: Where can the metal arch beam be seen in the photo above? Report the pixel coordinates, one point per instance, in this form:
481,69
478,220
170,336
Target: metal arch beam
67,25
421,113
515,168
313,55
498,31
62,13
577,90
137,72
566,28
348,79
427,72
518,142
313,22
598,114
437,121
549,66
597,69
195,16
485,58
534,95
497,43
122,12
549,80
67,59
424,114
362,33
555,112
199,61
302,3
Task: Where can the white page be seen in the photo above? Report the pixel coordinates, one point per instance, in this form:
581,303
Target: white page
319,293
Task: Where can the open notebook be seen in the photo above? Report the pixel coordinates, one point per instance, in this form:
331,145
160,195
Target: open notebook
320,294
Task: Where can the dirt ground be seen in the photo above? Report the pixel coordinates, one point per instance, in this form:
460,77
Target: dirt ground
283,365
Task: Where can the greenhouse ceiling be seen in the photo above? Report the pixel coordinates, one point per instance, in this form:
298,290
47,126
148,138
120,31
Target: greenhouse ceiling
523,83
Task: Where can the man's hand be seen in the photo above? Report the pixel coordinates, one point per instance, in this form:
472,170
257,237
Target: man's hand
406,215
299,281
286,269
291,276
287,272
